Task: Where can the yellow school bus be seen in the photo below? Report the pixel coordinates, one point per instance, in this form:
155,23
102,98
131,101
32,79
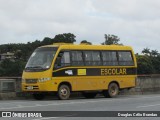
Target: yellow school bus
89,69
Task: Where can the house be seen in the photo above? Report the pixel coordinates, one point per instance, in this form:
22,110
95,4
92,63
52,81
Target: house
7,55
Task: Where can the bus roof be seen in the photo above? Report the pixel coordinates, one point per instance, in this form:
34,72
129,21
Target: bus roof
90,47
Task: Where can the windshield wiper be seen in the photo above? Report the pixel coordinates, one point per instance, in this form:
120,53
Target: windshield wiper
35,67
28,67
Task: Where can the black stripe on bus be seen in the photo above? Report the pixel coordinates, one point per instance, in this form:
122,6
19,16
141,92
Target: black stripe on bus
94,72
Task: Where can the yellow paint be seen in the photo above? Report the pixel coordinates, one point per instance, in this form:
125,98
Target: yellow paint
81,71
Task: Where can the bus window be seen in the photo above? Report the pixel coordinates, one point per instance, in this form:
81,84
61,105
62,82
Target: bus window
125,58
92,58
63,60
88,58
96,58
77,59
109,58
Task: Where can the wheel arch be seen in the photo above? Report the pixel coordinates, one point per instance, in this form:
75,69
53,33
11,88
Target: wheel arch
114,81
65,83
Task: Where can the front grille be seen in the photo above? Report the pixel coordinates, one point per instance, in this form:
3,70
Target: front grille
31,81
31,87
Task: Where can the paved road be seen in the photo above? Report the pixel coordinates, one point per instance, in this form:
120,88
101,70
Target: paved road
121,103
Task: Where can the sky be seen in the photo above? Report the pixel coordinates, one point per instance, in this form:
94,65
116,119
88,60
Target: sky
135,22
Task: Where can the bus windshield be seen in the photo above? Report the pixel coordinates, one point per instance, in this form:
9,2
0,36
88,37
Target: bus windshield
41,59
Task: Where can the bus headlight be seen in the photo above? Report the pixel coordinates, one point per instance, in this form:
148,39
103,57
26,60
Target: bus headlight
43,79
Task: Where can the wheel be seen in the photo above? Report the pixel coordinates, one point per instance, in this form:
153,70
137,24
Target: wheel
64,92
112,91
89,95
38,96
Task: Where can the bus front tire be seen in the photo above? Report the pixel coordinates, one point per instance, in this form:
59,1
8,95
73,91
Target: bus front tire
89,95
64,92
38,96
112,91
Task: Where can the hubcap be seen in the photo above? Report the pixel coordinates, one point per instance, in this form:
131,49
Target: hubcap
64,92
113,90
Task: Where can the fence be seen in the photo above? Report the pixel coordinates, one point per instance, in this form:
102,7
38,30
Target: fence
9,87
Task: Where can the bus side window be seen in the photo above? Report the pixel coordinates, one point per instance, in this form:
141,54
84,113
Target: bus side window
62,60
77,58
88,58
96,58
109,58
92,58
125,58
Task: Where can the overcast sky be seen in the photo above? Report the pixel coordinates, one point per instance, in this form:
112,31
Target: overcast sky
135,22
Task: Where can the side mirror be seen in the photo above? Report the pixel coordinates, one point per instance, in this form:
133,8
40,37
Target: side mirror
60,54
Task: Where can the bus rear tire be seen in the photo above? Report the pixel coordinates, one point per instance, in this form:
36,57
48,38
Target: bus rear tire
112,91
89,95
64,92
38,96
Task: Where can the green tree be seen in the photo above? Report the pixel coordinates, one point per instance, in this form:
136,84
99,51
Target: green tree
47,41
111,39
144,64
146,51
154,53
85,41
7,67
65,38
149,63
11,68
156,64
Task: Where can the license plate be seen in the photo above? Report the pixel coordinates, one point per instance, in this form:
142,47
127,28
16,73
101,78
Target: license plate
30,88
